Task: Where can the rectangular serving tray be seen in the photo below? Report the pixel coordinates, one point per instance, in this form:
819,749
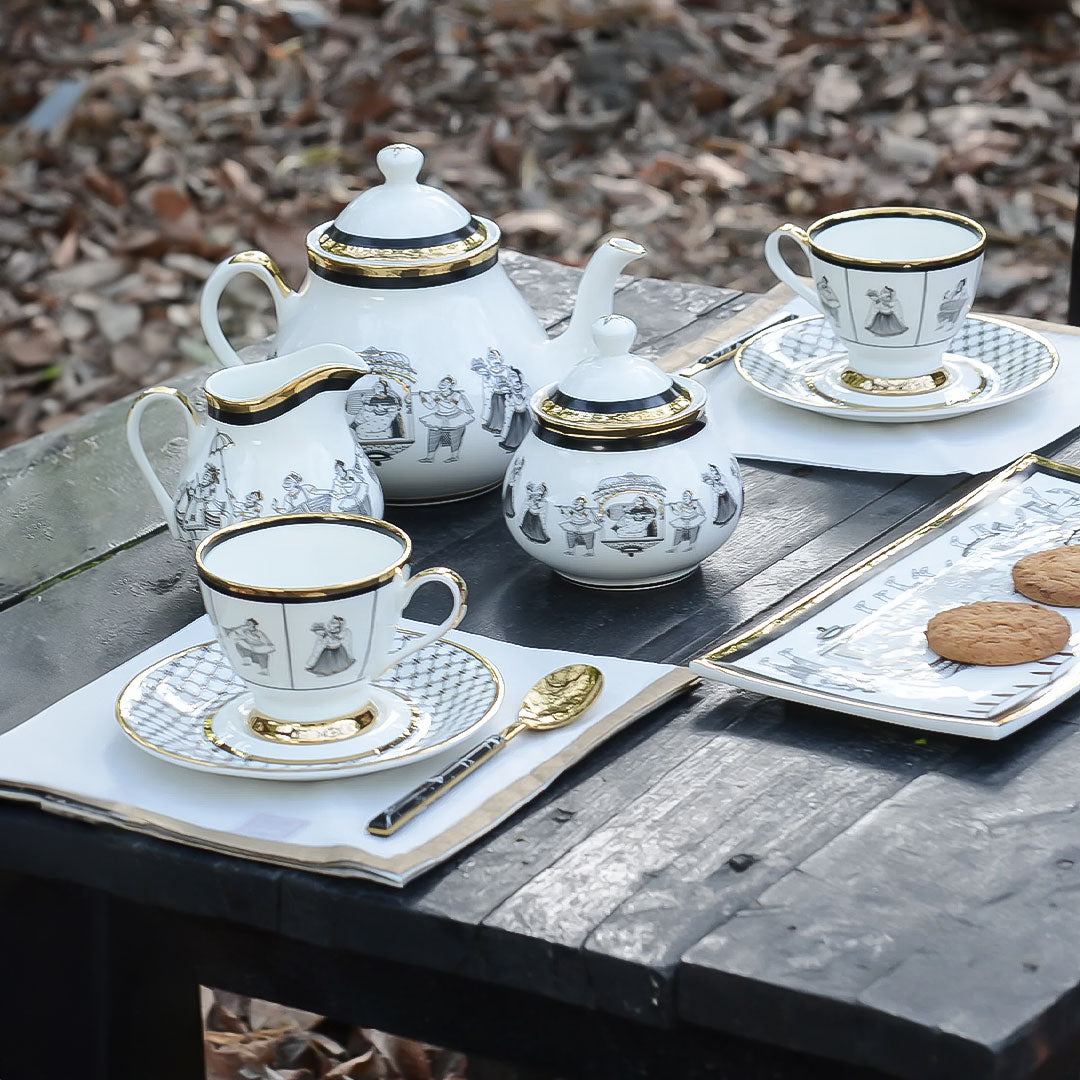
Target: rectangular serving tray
857,644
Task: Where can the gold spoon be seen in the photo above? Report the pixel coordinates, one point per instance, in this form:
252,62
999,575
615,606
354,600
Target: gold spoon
558,698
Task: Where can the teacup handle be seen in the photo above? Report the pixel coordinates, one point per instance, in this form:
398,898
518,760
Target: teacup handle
778,264
260,265
459,591
134,438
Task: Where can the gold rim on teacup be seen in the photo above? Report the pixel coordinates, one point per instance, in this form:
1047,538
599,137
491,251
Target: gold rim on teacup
327,592
940,262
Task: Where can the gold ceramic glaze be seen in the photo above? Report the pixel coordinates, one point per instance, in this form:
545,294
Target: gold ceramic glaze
778,624
807,237
311,733
270,595
402,270
666,417
167,391
371,752
875,384
847,406
438,252
255,406
260,258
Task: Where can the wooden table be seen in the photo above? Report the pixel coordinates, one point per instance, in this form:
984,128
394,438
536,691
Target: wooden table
736,887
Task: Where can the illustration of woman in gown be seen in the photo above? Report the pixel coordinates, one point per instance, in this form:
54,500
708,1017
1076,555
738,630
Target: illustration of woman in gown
451,414
508,491
517,404
725,503
332,653
885,319
581,523
251,644
952,303
532,519
493,372
830,301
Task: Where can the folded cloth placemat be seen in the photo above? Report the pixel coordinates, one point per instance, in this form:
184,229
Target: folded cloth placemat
74,759
759,428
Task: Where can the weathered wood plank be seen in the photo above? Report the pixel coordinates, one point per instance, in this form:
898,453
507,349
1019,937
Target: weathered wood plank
959,882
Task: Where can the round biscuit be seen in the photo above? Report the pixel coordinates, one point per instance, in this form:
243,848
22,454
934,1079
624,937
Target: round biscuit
997,633
1050,577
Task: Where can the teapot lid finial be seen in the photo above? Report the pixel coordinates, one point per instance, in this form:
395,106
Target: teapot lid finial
400,163
613,335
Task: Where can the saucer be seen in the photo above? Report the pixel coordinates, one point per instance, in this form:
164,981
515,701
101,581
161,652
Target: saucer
193,709
803,363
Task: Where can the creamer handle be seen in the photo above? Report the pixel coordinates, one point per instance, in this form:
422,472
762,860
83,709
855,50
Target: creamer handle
267,271
778,264
134,420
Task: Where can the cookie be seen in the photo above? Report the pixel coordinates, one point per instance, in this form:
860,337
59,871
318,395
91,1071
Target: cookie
997,633
1051,577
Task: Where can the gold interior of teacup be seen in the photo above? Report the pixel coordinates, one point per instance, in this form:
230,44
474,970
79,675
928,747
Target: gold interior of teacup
312,733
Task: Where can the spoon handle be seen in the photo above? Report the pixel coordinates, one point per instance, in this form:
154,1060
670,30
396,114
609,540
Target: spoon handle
408,806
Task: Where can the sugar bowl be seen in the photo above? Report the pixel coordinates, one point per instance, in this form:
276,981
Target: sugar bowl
621,480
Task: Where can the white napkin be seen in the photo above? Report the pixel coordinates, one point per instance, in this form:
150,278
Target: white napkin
758,427
74,757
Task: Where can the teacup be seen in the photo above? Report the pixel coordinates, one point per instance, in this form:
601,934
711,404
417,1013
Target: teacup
305,607
895,282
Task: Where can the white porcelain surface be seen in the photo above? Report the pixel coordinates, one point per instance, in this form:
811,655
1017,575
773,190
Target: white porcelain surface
310,658
800,363
864,651
893,322
611,517
444,693
454,363
305,459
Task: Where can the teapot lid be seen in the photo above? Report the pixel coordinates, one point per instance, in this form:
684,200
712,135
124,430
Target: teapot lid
614,393
402,234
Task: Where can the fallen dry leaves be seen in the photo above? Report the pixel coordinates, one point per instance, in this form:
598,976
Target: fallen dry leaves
142,140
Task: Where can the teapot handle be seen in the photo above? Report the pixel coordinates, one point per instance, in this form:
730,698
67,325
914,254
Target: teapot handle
261,266
134,438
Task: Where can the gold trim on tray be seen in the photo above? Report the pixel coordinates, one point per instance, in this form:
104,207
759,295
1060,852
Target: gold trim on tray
721,657
827,403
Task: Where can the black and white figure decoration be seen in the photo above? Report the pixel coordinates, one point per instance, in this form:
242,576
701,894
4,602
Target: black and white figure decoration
953,304
616,458
450,413
332,651
829,300
884,317
251,644
380,405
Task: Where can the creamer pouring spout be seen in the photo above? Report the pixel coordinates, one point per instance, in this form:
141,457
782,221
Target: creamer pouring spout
410,280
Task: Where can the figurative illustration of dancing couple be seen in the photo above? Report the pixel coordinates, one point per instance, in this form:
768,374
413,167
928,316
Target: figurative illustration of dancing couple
885,319
506,406
332,652
251,644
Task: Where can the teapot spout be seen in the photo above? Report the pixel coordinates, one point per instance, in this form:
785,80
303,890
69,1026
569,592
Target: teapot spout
596,293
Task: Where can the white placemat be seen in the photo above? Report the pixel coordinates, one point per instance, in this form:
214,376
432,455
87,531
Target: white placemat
762,429
73,758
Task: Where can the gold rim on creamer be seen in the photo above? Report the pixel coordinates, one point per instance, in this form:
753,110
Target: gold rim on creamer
940,261
271,594
327,377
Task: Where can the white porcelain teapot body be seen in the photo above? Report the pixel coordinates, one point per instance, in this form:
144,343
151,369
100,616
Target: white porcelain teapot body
622,481
410,281
275,441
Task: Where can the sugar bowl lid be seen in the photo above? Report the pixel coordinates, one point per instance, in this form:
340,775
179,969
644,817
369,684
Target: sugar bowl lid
615,394
402,233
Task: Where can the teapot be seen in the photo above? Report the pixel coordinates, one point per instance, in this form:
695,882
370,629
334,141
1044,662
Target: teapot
622,481
410,280
276,440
